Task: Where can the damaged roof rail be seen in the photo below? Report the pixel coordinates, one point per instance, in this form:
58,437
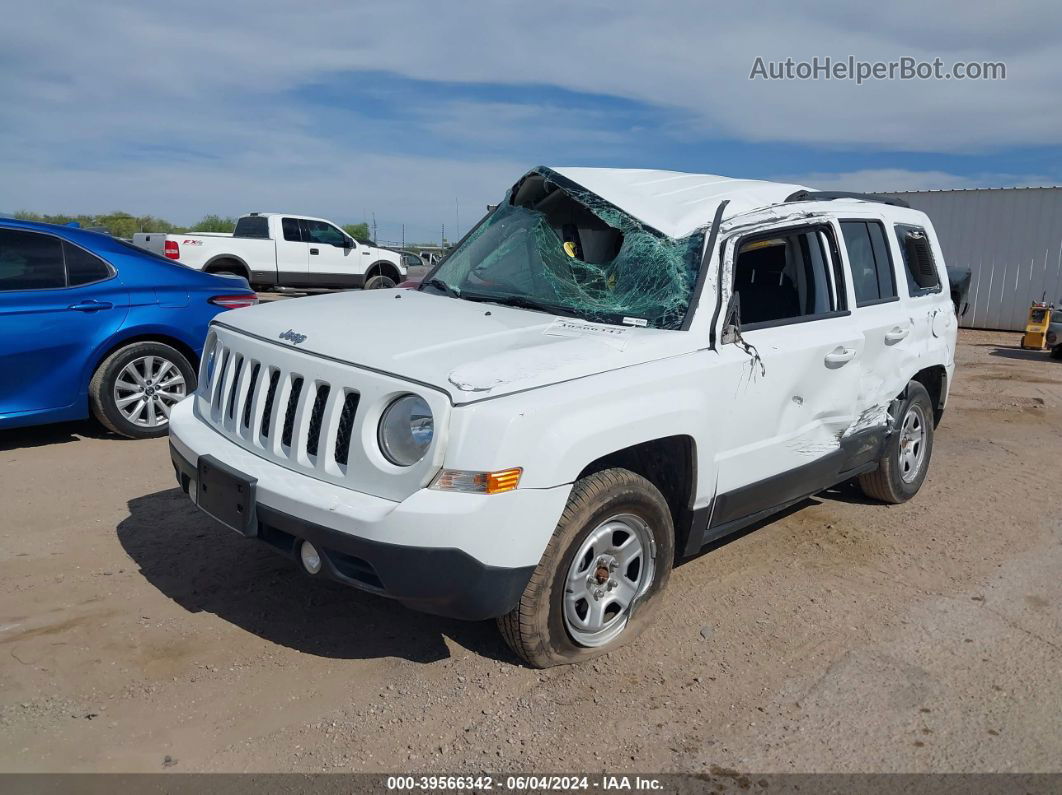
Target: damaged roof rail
830,195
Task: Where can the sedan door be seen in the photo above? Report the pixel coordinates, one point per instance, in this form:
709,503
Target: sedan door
58,303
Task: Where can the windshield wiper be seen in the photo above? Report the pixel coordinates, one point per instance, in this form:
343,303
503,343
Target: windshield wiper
523,302
442,286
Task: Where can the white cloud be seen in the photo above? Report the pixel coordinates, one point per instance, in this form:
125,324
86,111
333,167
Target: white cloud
415,191
891,180
83,82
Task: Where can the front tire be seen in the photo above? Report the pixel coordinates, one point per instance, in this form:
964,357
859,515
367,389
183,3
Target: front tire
600,579
134,389
902,469
379,282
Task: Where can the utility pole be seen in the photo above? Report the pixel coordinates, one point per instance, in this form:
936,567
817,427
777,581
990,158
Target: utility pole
403,236
374,227
442,237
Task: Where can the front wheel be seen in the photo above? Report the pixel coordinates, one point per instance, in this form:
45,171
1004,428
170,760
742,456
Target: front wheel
134,389
600,579
902,469
379,282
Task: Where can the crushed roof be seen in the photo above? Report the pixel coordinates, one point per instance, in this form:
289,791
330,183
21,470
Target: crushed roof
674,202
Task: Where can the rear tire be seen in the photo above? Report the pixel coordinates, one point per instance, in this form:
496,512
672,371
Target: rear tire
614,538
1056,352
134,389
903,467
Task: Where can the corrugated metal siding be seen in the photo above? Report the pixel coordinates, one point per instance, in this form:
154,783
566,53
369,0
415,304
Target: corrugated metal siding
1011,240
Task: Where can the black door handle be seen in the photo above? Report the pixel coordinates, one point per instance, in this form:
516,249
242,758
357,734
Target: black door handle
313,251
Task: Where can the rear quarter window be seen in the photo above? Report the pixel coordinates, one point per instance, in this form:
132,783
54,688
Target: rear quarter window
83,267
918,261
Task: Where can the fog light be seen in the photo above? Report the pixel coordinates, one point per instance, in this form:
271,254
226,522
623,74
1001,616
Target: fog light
311,558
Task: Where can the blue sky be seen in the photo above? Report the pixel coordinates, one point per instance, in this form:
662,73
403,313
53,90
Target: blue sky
409,110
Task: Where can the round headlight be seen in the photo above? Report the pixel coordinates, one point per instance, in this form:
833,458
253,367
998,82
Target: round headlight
406,430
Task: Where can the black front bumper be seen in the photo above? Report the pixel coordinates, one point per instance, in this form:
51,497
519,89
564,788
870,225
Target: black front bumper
443,581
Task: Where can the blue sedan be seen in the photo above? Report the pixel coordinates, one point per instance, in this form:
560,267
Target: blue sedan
91,324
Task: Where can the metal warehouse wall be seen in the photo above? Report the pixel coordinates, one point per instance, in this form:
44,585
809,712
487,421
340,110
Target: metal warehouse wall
1010,238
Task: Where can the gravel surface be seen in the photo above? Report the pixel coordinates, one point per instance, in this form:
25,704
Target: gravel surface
136,635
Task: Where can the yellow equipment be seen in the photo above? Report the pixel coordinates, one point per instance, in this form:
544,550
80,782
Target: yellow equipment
1036,326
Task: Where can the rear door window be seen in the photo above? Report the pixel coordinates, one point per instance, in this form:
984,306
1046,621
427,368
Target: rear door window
292,230
922,275
868,254
83,267
30,261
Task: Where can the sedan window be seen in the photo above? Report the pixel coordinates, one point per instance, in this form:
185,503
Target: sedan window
30,261
83,267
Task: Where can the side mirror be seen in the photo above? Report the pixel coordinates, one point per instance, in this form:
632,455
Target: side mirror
348,243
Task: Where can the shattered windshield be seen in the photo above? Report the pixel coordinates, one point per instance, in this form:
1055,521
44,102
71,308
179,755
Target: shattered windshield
566,251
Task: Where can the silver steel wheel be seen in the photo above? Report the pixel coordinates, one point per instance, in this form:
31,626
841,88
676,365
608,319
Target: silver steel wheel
911,451
147,388
613,567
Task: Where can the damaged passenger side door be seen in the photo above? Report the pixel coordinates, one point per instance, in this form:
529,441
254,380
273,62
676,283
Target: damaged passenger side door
790,359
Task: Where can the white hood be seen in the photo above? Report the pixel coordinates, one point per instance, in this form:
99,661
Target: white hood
470,350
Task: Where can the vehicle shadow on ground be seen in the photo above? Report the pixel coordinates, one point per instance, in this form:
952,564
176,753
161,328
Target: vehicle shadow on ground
849,492
59,433
1021,354
203,566
719,543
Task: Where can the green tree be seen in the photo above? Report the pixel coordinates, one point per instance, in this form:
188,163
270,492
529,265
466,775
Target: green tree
357,231
215,223
118,223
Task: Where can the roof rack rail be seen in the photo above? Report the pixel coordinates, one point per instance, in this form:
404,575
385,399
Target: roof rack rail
829,195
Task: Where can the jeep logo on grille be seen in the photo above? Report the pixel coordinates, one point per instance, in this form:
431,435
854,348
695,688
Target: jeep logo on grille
293,337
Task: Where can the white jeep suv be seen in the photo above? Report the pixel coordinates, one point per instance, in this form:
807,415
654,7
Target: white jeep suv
612,370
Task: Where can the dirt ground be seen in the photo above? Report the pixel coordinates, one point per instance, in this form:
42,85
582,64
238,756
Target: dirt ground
135,635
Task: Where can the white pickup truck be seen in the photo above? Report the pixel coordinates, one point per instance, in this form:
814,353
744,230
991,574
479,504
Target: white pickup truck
281,250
